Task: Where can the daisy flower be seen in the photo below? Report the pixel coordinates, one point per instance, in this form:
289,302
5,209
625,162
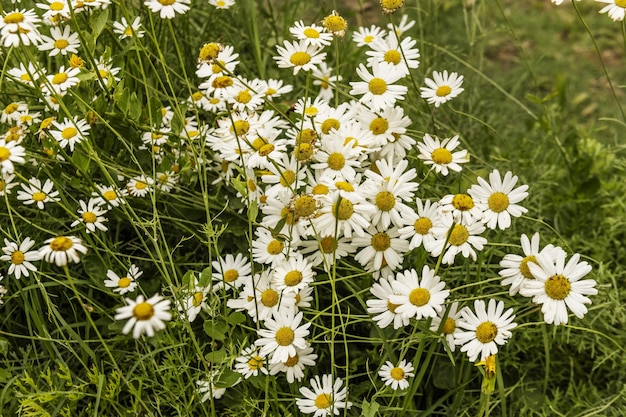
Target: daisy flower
275,88
10,153
335,24
343,212
293,367
419,298
325,249
167,9
13,111
311,34
299,55
485,329
20,257
55,10
60,42
325,77
558,286
92,215
616,9
62,80
69,132
140,186
146,316
267,248
381,247
442,87
449,328
208,388
516,270
337,160
498,199
194,301
462,207
6,183
388,126
325,398
391,6
61,250
250,363
402,55
439,154
35,193
452,238
126,30
396,376
27,75
222,4
282,336
366,36
125,284
19,27
166,181
377,88
109,196
231,272
420,228
404,25
293,274
383,290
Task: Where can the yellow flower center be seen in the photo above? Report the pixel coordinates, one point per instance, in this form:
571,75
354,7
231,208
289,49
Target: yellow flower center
12,18
323,401
61,244
304,151
328,244
379,125
251,185
143,311
419,297
498,202
11,108
377,86
449,326
197,96
241,127
266,149
198,297
557,287
69,132
344,186
443,91
61,44
5,154
285,336
255,363
167,2
368,39
422,225
25,77
462,202
89,217
393,57
293,278
222,82
243,97
300,58
397,374
17,257
311,33
330,124
109,195
335,23
59,78
385,200
525,269
441,156
459,235
124,282
56,6
39,196
344,211
288,178
336,161
320,189
392,307
307,136
486,332
269,298
231,275
381,241
275,247
270,92
292,360
621,3
140,185
128,31
304,206
209,51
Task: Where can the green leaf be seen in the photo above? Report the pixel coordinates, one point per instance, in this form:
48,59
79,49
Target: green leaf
215,329
5,375
124,100
205,277
227,379
253,211
236,318
99,23
81,161
369,409
135,107
4,346
216,356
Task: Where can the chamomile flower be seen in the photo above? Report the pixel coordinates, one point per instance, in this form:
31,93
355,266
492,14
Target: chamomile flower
250,363
27,75
391,6
382,306
225,62
396,376
55,10
326,79
516,270
402,27
6,183
231,272
616,9
335,24
453,237
462,207
125,284
166,181
92,215
19,27
126,30
485,329
311,34
268,248
145,316
285,174
449,328
140,186
38,194
558,286
193,301
222,4
13,111
167,9
419,298
498,199
337,160
109,196
439,153
420,225
282,335
60,42
208,389
69,132
10,153
326,249
381,247
20,256
275,88
442,88
344,211
62,80
62,250
377,88
388,127
293,274
325,398
299,55
293,367
403,55
366,36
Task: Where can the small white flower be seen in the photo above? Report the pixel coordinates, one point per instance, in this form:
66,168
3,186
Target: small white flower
146,316
125,284
442,88
325,398
396,376
20,257
283,335
168,9
378,88
419,298
61,250
299,55
439,154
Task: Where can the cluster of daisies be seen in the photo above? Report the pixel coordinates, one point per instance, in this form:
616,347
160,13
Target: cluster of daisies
616,9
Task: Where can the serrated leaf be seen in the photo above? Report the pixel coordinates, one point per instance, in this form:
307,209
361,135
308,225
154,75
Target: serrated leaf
369,409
